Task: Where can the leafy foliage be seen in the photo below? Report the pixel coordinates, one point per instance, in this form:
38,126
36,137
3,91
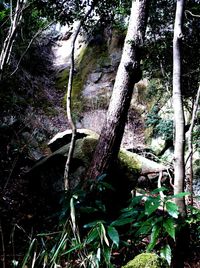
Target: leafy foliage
161,127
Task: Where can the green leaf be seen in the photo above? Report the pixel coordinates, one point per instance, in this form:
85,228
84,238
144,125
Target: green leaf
154,237
169,227
151,205
144,229
93,234
28,254
172,209
121,222
108,186
78,246
136,200
113,234
132,213
98,254
93,223
107,256
180,195
104,237
166,253
88,210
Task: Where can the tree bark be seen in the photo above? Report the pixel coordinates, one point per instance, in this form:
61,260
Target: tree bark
15,20
127,75
190,144
68,102
179,142
179,120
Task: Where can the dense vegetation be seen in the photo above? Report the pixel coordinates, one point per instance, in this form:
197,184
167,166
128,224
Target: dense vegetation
98,222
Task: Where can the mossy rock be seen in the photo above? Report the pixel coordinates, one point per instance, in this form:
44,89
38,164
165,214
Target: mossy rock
129,162
147,260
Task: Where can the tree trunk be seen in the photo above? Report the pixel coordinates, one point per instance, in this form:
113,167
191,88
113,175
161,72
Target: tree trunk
127,75
15,20
68,103
179,120
190,144
179,142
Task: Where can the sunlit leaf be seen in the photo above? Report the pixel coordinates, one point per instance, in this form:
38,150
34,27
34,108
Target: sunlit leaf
99,254
180,195
151,205
93,234
92,224
113,234
154,237
103,231
172,209
169,227
166,253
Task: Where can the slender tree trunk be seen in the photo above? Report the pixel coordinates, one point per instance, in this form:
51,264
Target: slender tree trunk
182,234
15,20
127,75
68,103
190,144
179,120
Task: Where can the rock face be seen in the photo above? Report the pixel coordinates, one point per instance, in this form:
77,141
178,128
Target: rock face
147,260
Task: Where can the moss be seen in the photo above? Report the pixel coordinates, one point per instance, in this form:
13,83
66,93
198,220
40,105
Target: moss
87,148
85,63
147,260
129,162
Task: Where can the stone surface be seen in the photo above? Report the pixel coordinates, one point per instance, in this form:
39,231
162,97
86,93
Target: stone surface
47,174
147,260
64,137
157,145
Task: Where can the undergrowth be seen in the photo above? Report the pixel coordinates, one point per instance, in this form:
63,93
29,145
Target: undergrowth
87,236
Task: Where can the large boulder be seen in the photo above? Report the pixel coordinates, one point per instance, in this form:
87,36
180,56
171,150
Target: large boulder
147,260
47,174
63,138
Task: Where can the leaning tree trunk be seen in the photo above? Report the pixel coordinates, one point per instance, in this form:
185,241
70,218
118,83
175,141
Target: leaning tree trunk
179,120
127,75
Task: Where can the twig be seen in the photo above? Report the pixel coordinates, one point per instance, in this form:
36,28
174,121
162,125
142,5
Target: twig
3,247
11,172
30,43
193,15
170,179
162,196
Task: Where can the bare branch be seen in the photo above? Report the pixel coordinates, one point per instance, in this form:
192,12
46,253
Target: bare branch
30,43
193,15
